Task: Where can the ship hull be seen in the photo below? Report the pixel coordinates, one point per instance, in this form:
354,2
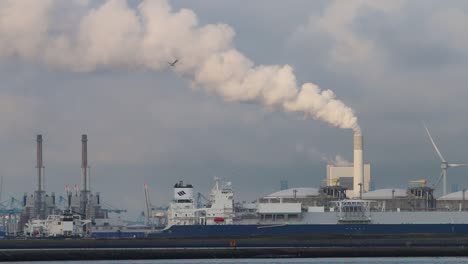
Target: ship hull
118,234
206,231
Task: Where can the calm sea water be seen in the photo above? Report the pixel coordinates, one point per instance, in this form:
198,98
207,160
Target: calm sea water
275,261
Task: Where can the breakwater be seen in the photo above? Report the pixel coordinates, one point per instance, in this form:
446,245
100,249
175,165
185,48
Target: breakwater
272,247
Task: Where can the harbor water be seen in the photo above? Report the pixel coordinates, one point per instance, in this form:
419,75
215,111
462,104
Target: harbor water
277,261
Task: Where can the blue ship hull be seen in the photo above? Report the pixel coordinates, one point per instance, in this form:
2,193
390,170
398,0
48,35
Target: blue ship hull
117,234
224,231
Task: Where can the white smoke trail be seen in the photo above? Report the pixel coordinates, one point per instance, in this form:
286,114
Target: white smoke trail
113,34
338,160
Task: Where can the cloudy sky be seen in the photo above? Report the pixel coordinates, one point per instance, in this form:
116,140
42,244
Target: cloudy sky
67,69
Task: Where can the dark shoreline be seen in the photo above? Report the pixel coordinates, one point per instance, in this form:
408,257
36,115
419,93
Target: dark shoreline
211,253
203,248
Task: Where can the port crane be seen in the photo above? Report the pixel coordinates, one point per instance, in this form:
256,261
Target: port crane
201,197
10,211
149,209
153,211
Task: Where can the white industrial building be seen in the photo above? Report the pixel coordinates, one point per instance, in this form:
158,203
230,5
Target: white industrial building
301,192
454,201
384,194
343,175
417,198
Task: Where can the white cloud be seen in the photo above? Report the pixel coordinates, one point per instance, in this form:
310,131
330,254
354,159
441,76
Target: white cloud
337,23
23,24
448,27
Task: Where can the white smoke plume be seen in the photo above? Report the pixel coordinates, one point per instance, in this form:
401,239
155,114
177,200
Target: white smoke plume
113,34
338,161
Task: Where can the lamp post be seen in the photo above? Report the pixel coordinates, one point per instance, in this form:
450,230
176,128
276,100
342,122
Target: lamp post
360,190
463,199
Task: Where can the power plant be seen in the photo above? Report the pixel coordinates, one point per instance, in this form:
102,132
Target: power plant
40,204
355,176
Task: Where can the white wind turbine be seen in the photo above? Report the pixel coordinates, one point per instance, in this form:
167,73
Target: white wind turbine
444,164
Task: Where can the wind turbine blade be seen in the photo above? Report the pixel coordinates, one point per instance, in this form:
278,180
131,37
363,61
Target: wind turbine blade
457,165
433,144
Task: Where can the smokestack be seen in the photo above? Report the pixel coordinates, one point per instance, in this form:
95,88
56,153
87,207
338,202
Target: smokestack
39,164
84,163
358,177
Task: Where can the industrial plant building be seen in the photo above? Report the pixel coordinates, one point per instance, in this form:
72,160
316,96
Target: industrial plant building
40,204
343,175
456,201
417,198
355,177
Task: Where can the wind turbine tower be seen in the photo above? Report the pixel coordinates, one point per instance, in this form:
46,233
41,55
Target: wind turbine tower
444,164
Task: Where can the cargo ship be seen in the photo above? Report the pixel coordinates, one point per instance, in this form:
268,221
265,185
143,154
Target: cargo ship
283,215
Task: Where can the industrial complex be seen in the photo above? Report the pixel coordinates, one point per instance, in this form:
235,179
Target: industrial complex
39,212
42,214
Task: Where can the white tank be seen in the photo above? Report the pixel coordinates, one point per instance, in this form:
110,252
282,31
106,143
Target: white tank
183,191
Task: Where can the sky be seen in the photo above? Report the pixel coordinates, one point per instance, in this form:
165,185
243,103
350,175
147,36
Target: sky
67,69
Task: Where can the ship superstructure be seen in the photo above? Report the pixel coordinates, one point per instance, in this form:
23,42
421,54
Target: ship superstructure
62,225
219,210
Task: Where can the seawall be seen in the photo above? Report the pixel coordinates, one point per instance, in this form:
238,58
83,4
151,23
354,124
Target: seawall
304,247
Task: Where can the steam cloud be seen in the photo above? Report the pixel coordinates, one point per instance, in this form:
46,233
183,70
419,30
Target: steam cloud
114,34
338,160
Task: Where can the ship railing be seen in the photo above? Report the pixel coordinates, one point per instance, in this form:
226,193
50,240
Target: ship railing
353,211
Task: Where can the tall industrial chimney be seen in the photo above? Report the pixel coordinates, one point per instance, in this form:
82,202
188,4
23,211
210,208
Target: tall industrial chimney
84,163
358,178
39,165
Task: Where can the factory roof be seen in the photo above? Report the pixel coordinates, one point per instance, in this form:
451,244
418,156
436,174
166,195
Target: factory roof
299,192
384,194
457,196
